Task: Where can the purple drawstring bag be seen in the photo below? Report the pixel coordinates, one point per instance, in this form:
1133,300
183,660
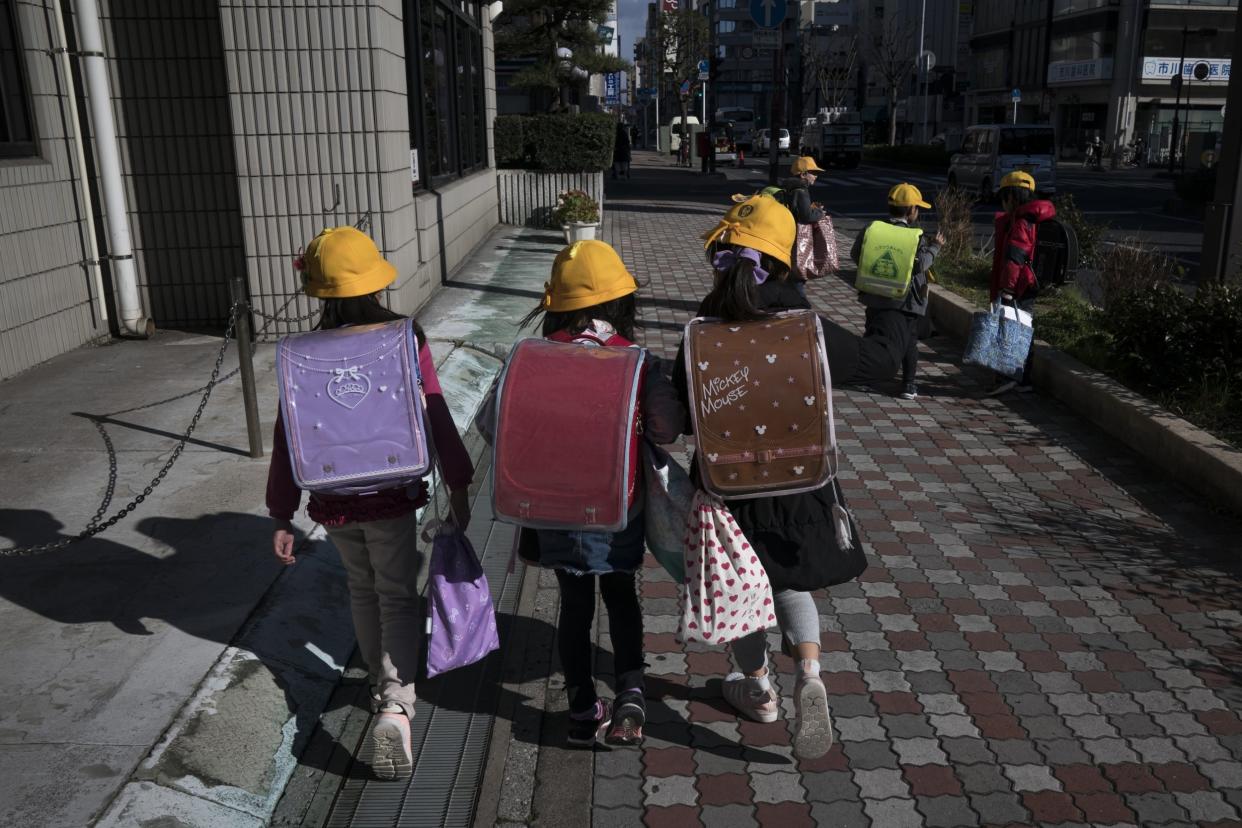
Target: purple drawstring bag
460,618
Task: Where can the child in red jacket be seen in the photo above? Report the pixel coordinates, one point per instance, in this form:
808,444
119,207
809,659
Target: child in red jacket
1013,276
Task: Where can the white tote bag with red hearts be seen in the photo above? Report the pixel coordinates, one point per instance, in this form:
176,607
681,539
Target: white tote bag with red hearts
726,593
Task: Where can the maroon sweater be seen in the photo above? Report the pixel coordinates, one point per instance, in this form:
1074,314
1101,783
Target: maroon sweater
284,497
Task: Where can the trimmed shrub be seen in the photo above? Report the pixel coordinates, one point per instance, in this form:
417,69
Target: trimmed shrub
510,143
571,143
555,143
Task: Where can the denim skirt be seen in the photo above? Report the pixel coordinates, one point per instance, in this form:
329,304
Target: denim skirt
595,553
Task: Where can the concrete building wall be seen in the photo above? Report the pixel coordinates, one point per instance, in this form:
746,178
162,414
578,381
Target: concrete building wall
48,301
318,93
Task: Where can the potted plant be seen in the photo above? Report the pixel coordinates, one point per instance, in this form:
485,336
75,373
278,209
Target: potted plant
577,214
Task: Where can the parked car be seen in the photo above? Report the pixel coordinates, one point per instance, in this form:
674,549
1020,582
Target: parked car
763,144
674,132
991,152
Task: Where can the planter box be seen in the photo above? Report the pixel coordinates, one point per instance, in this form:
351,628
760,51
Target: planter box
580,231
527,197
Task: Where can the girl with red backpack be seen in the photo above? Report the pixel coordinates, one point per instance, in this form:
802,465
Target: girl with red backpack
375,534
590,300
1013,276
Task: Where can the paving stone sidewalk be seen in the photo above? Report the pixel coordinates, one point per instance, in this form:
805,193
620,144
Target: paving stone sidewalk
1048,633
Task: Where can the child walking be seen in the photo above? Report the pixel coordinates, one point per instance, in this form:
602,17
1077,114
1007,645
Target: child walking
1013,277
899,316
376,534
794,535
590,300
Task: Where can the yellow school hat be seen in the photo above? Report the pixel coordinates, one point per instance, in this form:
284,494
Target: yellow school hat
759,222
804,164
907,195
342,262
585,274
1018,178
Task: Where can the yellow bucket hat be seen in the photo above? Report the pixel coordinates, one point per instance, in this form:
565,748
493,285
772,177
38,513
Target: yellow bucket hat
907,195
759,222
804,164
1019,178
342,262
585,274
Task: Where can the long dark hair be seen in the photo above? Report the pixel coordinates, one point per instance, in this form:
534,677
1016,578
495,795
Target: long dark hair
359,310
621,313
735,294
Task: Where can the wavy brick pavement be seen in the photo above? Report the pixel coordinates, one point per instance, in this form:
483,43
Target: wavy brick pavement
1048,633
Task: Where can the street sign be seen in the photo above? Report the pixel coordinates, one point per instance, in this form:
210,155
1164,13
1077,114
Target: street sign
685,87
612,89
928,58
1016,95
704,65
768,13
833,13
605,33
766,38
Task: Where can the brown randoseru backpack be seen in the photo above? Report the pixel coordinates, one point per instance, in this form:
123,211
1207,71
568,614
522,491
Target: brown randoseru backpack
761,397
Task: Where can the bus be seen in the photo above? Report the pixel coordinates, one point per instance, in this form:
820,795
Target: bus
743,122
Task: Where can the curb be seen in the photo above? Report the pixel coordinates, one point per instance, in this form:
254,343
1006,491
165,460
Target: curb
1185,452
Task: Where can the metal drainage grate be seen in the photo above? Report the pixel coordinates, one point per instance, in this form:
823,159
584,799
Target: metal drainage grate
452,720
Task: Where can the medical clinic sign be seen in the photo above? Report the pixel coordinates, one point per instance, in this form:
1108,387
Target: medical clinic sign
1162,68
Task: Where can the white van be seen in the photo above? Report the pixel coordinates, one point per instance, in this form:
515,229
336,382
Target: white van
991,152
674,132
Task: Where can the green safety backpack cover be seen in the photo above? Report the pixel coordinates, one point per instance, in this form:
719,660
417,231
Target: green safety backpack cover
886,263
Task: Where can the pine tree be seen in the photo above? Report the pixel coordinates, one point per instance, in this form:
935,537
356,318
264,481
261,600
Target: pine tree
536,29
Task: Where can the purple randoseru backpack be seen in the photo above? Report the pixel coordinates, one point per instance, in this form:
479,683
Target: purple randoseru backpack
460,618
352,404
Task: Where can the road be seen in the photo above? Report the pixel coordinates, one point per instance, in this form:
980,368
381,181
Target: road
1130,202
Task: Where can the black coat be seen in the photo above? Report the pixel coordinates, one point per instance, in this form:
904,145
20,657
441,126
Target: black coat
796,195
794,535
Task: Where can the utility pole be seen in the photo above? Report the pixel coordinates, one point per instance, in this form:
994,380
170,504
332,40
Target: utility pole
923,68
778,91
1222,222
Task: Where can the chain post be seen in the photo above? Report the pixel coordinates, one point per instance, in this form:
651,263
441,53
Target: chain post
245,359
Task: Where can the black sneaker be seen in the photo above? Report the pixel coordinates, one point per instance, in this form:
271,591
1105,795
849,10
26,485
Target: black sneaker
909,392
584,733
628,717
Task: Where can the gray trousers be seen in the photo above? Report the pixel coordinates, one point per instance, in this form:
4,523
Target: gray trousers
382,563
798,620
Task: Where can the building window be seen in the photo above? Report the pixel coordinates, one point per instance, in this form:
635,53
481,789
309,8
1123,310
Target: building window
448,123
17,137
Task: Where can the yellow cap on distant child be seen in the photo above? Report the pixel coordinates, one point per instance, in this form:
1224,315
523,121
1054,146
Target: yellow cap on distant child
906,195
759,222
342,262
585,274
804,164
1019,178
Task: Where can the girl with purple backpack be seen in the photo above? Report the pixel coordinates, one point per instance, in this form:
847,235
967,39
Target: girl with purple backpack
375,534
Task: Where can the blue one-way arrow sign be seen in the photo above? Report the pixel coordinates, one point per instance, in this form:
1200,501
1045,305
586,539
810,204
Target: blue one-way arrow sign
768,13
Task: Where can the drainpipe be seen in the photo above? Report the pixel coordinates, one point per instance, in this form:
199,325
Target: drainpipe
92,263
112,188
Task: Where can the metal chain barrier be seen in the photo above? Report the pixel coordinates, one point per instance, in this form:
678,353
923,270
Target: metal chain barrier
94,526
97,524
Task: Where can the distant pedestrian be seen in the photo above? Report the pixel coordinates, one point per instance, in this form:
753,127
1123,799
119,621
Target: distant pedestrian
1013,275
796,536
904,256
590,300
375,534
621,152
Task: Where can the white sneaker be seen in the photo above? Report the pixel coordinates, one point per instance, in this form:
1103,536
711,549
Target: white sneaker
1003,388
748,697
390,738
812,723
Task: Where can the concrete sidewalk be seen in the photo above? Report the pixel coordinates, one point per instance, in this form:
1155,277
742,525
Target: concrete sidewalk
170,668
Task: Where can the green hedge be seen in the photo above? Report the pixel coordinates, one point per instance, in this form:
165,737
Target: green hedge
555,143
510,143
923,155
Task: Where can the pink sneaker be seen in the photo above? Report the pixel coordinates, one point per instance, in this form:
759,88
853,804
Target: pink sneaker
748,697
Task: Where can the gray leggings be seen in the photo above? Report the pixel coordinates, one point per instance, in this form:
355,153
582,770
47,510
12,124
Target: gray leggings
798,620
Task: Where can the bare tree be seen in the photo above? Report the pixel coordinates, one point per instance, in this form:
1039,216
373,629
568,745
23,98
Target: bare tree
893,59
681,42
831,63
